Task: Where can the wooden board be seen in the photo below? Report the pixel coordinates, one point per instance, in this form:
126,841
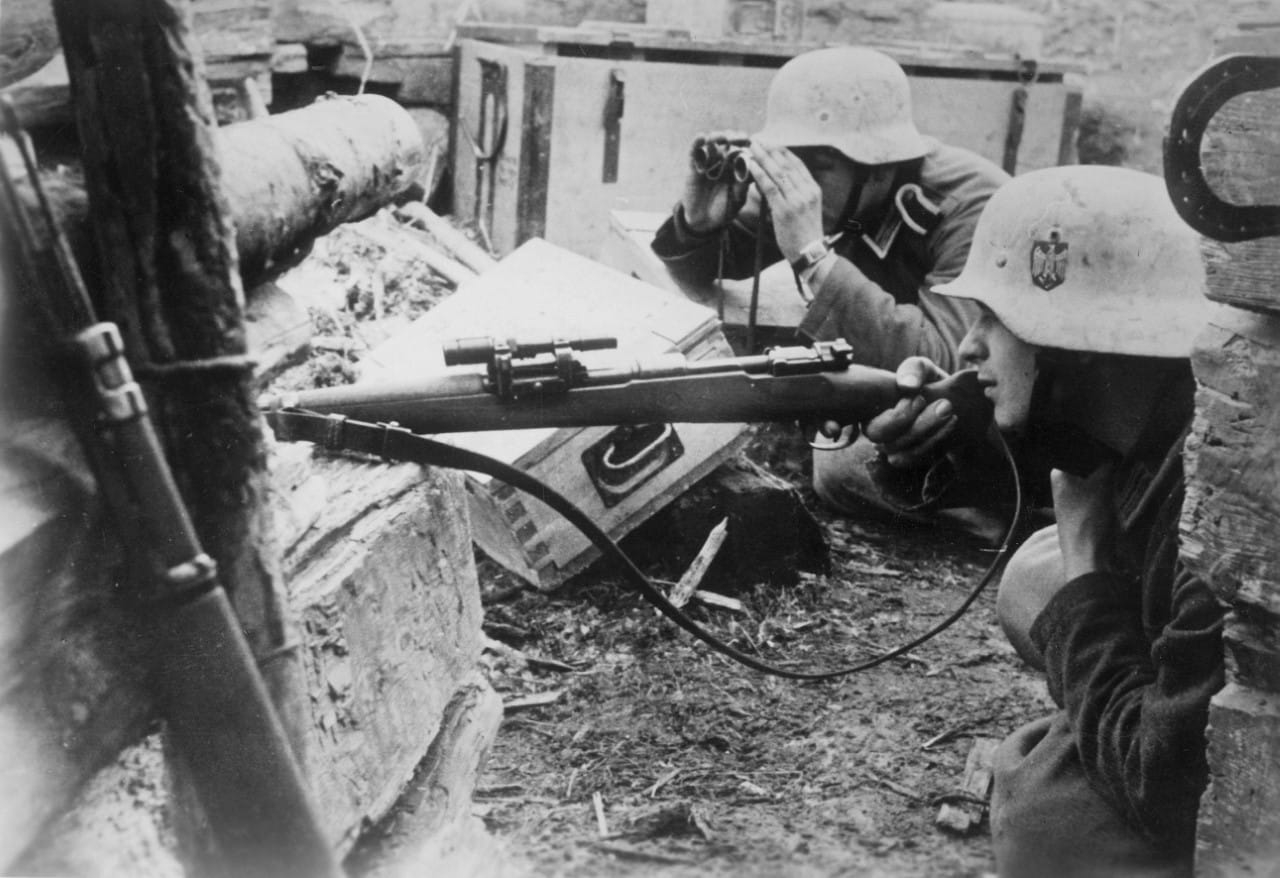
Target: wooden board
780,309
1232,512
380,570
550,173
1239,826
1241,160
72,666
542,291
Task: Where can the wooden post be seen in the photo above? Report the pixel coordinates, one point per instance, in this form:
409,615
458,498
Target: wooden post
167,274
1232,510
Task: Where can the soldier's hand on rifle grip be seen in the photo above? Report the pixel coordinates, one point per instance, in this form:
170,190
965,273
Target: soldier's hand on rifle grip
911,432
711,204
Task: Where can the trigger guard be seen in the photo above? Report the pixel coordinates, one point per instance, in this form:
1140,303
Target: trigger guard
844,440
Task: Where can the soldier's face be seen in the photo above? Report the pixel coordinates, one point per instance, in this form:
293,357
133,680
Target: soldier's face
835,175
1006,369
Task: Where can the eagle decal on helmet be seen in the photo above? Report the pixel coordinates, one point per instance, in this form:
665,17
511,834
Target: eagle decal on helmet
1049,261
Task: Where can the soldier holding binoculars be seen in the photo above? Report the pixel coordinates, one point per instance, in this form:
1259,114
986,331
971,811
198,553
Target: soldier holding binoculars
869,214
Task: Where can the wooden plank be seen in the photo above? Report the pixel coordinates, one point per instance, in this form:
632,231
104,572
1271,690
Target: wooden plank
277,330
1231,514
965,815
233,28
325,22
1241,160
440,836
911,53
560,192
780,307
1239,831
380,569
71,692
537,131
424,74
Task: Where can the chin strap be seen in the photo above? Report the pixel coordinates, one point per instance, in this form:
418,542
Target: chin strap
391,442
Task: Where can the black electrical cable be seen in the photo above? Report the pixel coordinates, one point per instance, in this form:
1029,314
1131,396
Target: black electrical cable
395,443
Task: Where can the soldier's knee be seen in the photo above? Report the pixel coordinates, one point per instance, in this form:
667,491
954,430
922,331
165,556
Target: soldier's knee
1032,576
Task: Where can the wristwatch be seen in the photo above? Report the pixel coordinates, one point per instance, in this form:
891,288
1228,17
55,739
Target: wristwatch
813,253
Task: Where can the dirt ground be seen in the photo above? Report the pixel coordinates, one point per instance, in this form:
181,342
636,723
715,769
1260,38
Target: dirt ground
661,759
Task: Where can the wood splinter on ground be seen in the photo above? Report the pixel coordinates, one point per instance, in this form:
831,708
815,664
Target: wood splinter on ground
602,824
965,815
688,583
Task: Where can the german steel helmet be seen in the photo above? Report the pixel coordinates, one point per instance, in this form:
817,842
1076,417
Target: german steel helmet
850,98
1088,258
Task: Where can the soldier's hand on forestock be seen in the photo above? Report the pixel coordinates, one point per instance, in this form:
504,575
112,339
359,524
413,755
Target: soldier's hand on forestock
710,205
793,196
910,432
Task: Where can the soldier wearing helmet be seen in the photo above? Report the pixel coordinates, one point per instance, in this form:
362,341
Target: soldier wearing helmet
869,213
1091,292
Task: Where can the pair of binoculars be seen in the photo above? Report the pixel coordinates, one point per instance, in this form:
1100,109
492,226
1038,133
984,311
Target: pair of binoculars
714,159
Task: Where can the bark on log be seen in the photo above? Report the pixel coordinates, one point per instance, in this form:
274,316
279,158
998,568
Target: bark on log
291,177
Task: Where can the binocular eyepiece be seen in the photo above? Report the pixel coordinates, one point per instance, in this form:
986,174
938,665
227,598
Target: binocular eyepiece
713,159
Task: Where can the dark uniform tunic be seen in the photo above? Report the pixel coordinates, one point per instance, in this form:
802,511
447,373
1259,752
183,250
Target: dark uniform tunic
1110,785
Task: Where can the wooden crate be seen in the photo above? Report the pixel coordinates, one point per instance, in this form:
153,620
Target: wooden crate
599,120
543,291
779,309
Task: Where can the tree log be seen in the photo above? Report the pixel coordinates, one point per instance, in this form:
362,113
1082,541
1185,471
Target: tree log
291,177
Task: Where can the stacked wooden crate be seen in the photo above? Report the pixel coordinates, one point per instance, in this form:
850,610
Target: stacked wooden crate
555,127
1232,513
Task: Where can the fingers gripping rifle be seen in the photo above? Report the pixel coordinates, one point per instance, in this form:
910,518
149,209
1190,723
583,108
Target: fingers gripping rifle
546,384
217,711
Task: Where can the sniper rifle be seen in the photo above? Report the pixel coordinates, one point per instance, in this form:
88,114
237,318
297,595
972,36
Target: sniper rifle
547,384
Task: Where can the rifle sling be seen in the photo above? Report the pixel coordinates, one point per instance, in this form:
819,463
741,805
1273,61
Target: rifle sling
391,442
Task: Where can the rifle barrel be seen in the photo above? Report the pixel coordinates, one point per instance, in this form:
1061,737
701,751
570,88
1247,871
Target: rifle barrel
669,390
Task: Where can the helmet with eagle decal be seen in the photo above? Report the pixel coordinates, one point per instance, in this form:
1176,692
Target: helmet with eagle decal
1088,258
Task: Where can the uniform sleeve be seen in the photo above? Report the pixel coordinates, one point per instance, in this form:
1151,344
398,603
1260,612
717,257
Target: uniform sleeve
1138,703
695,259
